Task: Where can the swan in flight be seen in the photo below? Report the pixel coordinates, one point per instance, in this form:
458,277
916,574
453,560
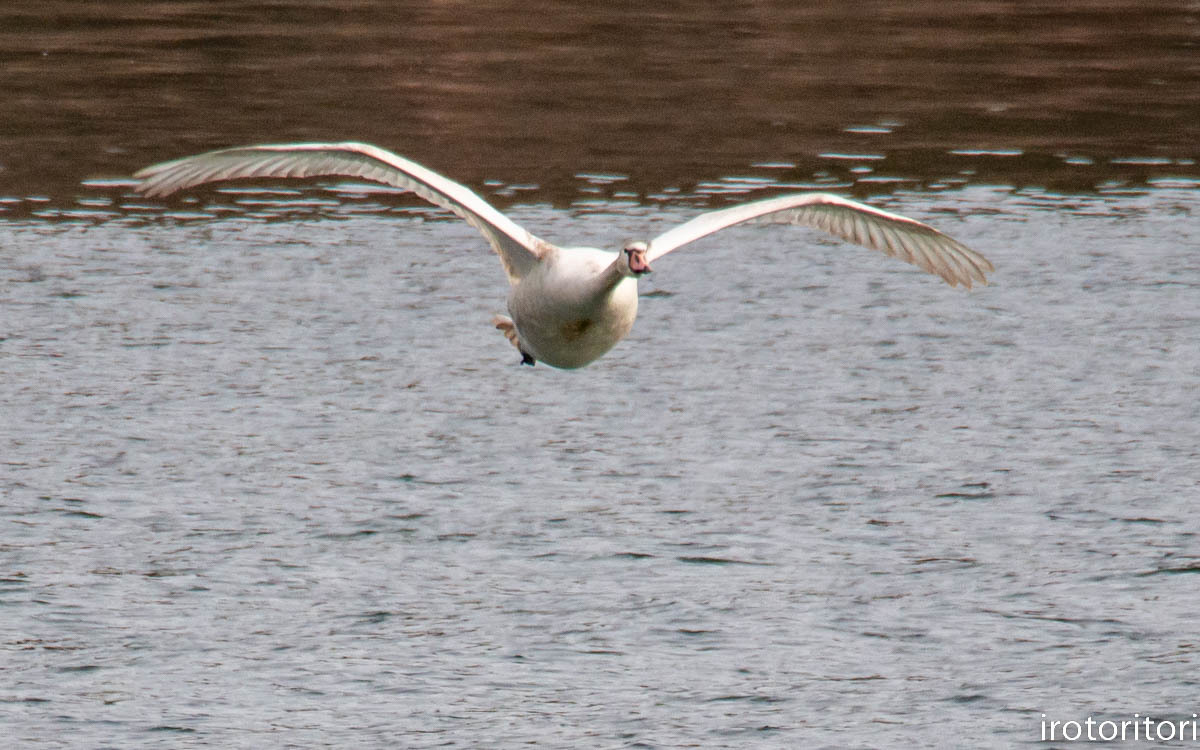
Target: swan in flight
570,305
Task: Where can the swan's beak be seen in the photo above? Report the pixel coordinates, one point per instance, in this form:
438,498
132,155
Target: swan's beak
637,261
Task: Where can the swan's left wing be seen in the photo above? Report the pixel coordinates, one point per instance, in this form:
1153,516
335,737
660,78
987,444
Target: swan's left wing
895,235
519,250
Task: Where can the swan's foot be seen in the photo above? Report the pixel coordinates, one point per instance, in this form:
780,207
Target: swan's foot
505,324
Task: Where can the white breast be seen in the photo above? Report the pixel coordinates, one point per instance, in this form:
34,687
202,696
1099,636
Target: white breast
564,316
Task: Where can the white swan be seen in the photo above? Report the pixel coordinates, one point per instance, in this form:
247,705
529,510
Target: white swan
570,305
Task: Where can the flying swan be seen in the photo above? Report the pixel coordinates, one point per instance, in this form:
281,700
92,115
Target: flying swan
570,305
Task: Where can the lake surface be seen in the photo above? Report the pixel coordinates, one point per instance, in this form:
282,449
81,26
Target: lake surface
270,479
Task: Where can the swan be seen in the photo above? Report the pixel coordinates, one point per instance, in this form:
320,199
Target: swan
569,305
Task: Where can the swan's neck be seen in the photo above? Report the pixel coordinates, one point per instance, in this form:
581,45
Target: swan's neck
611,276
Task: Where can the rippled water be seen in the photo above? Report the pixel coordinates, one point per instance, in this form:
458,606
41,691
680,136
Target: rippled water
279,483
1067,96
270,479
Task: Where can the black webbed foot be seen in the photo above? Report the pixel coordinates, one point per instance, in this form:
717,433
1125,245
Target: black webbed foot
527,360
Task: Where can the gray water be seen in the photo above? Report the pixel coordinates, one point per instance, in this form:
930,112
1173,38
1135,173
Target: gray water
280,484
268,477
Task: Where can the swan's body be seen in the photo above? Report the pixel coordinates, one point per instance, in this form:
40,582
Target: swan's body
571,305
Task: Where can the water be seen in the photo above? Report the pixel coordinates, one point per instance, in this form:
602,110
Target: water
270,479
1031,94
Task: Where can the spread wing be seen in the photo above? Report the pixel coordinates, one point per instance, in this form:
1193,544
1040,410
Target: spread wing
519,250
898,236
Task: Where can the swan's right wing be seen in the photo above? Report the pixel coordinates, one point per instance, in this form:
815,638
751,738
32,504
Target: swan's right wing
519,250
893,234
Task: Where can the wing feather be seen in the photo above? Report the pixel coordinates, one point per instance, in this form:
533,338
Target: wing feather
893,234
519,250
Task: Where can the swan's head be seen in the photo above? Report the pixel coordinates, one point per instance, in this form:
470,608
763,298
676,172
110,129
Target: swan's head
634,254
